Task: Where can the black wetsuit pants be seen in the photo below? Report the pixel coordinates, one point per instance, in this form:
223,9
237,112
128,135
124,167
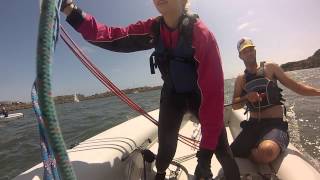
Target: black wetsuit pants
173,106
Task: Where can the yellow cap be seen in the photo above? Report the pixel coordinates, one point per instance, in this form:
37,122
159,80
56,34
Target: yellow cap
244,43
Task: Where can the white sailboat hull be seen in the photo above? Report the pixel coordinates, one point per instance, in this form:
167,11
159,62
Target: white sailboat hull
11,116
113,154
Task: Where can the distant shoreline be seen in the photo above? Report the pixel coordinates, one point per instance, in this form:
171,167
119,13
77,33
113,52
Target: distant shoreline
14,106
311,62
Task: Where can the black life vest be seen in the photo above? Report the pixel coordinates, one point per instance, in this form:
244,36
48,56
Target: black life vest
259,83
177,66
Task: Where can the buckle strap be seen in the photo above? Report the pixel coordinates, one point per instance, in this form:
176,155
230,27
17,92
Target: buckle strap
153,63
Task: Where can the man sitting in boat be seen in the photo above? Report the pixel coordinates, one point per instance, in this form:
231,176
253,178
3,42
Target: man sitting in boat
4,111
265,135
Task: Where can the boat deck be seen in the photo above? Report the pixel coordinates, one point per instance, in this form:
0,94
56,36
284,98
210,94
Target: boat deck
115,154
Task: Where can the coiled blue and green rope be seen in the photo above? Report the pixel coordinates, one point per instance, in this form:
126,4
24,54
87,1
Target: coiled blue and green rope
48,34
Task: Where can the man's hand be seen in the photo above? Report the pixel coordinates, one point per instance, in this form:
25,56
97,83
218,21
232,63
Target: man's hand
67,7
254,97
65,3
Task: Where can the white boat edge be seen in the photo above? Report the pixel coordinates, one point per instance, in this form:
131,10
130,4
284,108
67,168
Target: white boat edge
113,153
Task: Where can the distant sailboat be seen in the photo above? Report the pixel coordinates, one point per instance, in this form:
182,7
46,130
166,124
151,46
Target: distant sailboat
75,98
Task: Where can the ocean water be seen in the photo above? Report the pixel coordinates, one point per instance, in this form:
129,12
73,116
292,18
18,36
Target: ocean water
19,139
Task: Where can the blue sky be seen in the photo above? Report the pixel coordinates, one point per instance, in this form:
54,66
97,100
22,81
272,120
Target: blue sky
283,30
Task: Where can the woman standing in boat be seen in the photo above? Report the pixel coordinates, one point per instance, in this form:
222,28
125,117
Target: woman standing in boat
265,135
188,58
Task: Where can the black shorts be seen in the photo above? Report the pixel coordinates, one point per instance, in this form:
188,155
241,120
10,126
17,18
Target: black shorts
254,132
